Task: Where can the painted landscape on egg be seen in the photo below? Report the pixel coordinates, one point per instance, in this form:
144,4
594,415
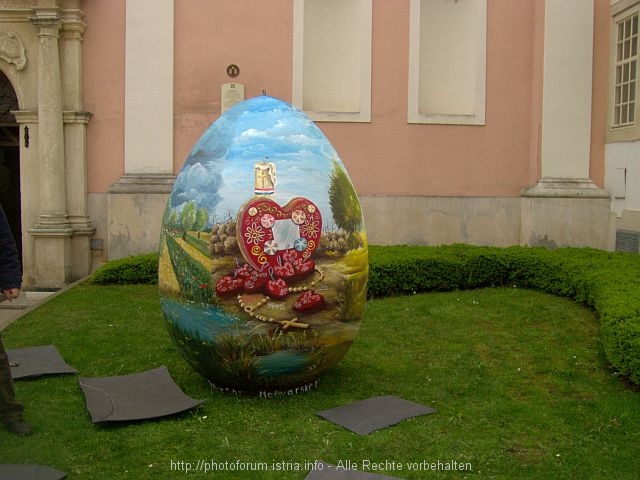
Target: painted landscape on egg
263,253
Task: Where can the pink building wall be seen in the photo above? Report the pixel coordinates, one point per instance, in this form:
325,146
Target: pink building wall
103,74
256,36
538,172
444,160
385,157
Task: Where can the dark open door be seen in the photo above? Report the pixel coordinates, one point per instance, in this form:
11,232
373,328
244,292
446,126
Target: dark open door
10,159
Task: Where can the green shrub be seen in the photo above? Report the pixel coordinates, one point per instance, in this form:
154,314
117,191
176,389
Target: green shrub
608,282
136,269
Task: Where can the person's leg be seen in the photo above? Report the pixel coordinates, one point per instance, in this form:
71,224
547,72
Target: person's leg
10,409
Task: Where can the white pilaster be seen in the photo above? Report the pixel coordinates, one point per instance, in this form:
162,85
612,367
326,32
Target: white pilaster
566,103
138,198
566,204
565,144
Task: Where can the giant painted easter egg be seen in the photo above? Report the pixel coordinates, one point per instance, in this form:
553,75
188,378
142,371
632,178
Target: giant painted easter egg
263,253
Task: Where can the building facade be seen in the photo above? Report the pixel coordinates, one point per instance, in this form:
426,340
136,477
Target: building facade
488,122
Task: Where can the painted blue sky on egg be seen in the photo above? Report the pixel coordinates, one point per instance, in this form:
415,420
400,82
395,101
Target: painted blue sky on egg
218,174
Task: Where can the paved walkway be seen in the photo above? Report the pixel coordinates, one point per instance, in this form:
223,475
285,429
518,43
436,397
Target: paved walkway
27,301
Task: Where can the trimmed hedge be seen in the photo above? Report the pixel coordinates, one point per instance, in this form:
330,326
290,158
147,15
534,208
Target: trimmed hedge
135,269
608,282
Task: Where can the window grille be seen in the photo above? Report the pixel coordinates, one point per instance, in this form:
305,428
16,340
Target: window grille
625,72
627,241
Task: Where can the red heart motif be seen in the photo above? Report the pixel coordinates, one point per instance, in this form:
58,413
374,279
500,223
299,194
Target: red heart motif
243,271
229,285
303,268
309,301
285,271
255,282
277,289
268,233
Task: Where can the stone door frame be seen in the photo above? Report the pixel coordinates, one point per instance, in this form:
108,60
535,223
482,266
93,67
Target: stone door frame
41,55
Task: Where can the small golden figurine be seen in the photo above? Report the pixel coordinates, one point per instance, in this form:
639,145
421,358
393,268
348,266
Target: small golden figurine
265,177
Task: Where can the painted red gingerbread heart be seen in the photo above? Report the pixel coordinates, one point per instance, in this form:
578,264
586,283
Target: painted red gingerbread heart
277,289
309,301
285,271
229,285
268,233
255,282
303,268
243,270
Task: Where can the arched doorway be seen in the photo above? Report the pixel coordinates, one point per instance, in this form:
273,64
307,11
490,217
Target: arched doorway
10,197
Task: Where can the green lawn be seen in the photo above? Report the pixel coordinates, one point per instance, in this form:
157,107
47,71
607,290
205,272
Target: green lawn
518,377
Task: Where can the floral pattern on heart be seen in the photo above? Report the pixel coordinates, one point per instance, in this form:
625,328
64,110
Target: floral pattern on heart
267,233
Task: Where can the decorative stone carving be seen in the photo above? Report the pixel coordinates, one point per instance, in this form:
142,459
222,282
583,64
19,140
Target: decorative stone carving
12,50
16,4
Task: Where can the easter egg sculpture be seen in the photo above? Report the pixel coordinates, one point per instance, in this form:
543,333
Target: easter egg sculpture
263,253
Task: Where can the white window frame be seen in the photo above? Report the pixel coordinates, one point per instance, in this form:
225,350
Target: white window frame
364,109
414,115
621,10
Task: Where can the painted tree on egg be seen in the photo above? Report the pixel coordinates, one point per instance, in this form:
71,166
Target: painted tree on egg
345,205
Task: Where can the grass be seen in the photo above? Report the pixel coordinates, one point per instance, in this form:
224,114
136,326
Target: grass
518,377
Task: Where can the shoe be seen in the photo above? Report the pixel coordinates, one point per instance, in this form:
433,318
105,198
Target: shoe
18,427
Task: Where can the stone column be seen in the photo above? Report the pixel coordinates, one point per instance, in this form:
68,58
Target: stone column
75,121
566,207
51,145
52,231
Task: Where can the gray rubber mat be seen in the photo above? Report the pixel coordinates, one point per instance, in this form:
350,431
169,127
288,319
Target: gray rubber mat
374,413
139,396
30,472
37,361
